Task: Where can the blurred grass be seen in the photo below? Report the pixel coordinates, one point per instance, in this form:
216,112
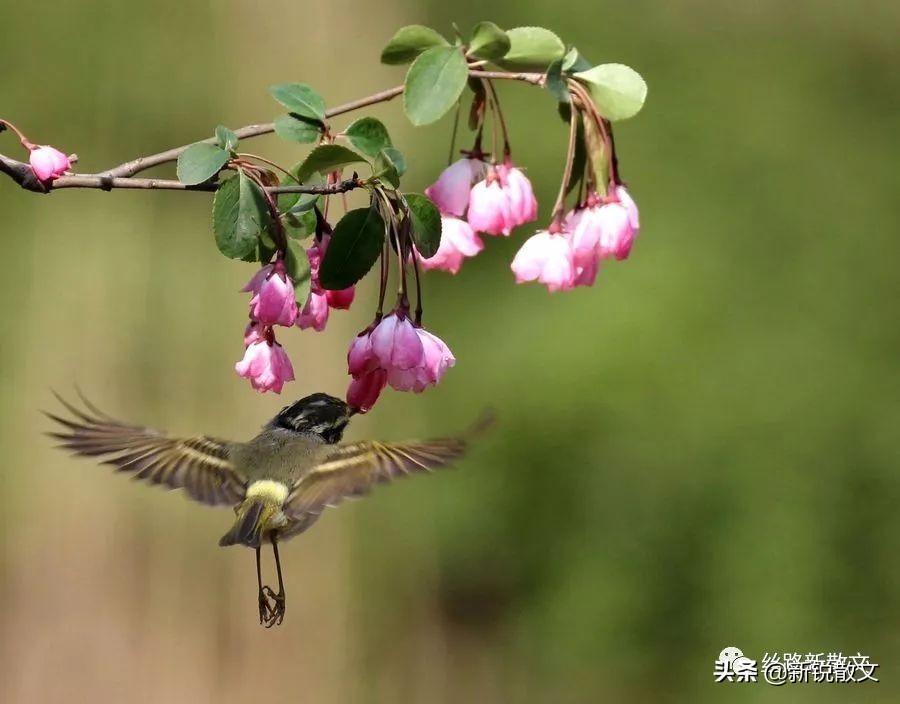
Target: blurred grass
698,452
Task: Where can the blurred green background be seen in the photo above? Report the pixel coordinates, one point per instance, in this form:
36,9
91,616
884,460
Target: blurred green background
699,452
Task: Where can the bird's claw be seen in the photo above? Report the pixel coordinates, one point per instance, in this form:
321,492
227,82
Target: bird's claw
271,607
265,610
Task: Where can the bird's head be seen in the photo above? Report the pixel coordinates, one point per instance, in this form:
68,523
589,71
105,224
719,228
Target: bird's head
318,414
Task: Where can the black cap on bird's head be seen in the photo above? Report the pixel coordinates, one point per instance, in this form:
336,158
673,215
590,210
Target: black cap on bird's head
318,414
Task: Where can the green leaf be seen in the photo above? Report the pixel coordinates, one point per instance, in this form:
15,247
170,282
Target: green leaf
434,83
262,253
390,165
296,263
426,224
532,47
295,128
226,139
489,41
369,135
555,81
386,171
618,90
396,158
574,62
326,158
354,248
240,216
409,42
200,162
300,99
300,225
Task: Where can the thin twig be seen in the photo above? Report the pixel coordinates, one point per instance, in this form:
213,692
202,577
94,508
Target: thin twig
22,174
120,177
130,168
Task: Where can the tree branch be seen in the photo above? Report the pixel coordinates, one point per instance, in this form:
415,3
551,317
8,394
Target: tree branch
130,168
22,174
120,177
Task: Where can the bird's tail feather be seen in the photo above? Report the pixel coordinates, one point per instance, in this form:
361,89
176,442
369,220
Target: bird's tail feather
252,516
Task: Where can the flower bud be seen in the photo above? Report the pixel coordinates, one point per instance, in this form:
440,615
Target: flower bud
365,390
48,163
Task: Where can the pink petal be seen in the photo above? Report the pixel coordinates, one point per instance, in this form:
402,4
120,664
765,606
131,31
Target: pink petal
451,191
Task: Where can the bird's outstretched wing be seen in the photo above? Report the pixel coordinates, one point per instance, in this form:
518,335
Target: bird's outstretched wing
352,470
199,465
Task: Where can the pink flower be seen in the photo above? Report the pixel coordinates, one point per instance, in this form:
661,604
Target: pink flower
522,203
436,361
626,200
616,231
546,257
365,390
315,312
583,236
360,358
254,333
489,206
273,302
341,299
48,163
395,343
458,241
450,193
315,254
586,272
407,357
267,366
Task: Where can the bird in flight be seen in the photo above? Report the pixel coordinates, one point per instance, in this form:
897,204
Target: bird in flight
278,483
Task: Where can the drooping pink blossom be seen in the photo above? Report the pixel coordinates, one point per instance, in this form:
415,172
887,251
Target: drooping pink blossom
365,390
360,357
409,357
395,343
273,302
548,258
586,271
266,365
315,311
48,163
626,200
254,332
450,193
616,231
489,206
458,241
436,361
523,206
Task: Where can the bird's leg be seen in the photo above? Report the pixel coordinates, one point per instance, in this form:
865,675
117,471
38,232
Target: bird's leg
265,610
277,610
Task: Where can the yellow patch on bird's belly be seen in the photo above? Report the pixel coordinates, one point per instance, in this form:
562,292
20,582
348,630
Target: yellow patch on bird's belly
268,489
